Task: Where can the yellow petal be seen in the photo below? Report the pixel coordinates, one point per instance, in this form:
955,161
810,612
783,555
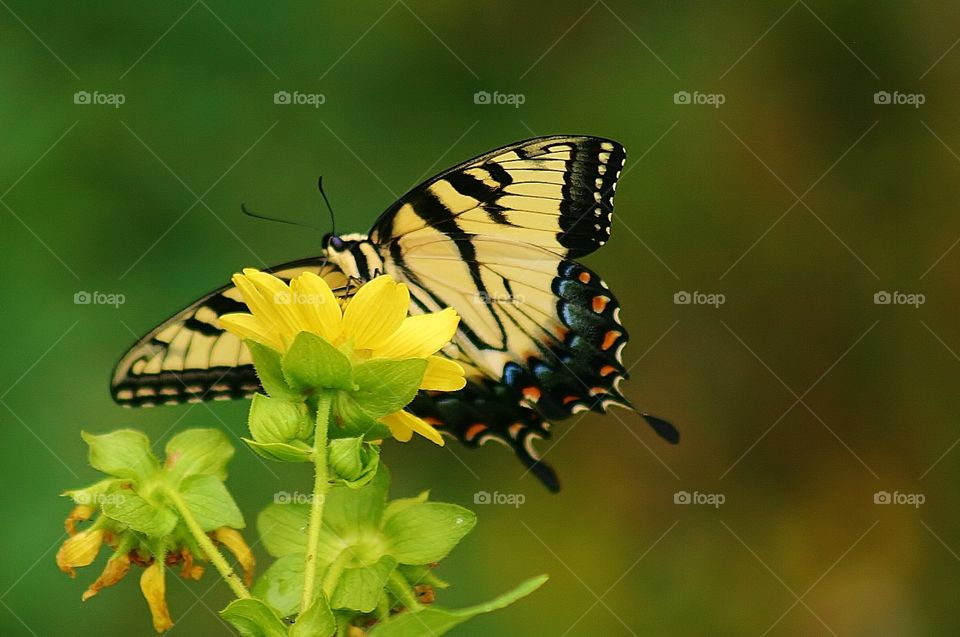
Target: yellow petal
275,291
443,374
116,568
232,539
80,513
420,336
247,326
403,423
154,588
264,308
398,427
79,550
317,305
375,312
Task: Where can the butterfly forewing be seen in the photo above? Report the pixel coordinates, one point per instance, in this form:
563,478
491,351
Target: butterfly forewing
190,357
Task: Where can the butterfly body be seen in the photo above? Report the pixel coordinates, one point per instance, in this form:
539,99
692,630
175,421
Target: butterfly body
495,238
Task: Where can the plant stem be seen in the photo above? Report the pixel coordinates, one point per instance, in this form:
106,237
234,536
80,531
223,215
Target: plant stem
320,488
208,547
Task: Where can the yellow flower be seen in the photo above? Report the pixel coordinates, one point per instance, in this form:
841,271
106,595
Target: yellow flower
115,570
79,550
374,324
232,539
154,588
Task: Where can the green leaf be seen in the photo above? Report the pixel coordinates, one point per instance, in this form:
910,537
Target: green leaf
387,386
360,588
270,371
281,451
126,507
210,503
425,532
283,528
350,420
95,494
312,363
253,618
353,462
347,511
198,451
124,453
395,506
281,585
316,621
279,420
435,620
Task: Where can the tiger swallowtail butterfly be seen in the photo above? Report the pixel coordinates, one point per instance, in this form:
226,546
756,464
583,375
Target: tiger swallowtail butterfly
495,238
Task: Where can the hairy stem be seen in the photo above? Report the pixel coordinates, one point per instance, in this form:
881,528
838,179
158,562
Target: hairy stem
320,488
208,547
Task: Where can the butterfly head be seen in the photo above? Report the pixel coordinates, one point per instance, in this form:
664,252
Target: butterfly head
354,254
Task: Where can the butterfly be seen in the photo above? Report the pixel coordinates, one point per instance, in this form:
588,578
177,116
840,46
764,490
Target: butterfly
496,238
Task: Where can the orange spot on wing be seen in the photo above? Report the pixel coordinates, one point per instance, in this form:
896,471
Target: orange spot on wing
515,429
531,393
597,391
609,339
474,430
561,332
600,303
584,277
606,370
570,399
434,422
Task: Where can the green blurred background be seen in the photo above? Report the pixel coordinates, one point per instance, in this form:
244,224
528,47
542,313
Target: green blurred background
799,398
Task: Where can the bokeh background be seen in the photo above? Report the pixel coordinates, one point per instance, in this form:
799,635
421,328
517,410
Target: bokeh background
798,199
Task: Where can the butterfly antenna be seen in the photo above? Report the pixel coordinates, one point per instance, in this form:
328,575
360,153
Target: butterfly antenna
250,213
333,219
